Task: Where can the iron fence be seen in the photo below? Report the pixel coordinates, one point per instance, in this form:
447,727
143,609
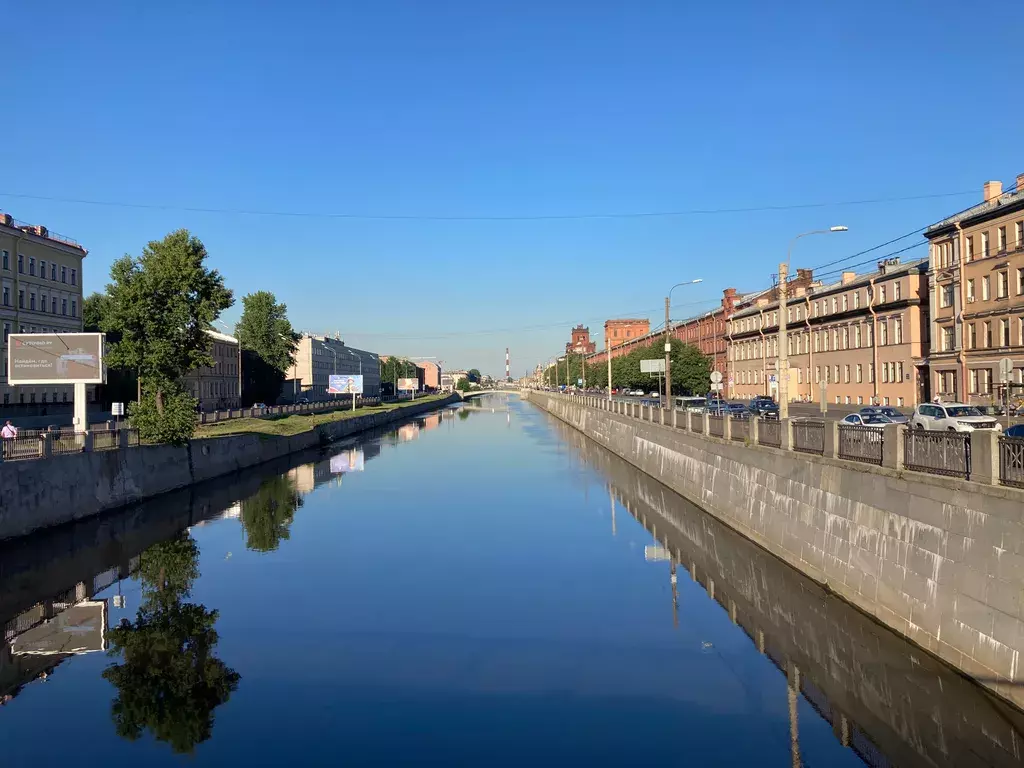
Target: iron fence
739,429
1011,461
938,453
809,437
716,426
861,443
105,440
27,445
67,442
769,432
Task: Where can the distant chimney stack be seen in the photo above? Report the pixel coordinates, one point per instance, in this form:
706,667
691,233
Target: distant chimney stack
1020,182
849,277
992,190
6,219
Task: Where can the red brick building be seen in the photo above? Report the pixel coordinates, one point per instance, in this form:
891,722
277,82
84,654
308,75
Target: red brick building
581,343
618,332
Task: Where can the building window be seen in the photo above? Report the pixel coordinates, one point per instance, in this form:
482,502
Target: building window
817,374
21,264
846,305
846,374
7,259
945,296
1020,281
897,330
972,336
1002,284
860,373
885,373
856,299
64,306
987,334
1020,234
836,379
32,265
74,308
985,250
835,305
42,269
846,337
883,333
63,274
21,299
53,272
969,245
74,277
986,288
7,332
53,305
856,336
881,294
1001,239
947,339
1004,332
32,301
970,290
7,296
897,290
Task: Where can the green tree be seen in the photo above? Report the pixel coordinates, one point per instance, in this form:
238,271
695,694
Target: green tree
162,303
267,515
122,383
268,346
464,385
474,375
169,681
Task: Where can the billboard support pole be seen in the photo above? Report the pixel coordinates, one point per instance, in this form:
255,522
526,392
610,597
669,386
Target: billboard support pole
353,400
81,422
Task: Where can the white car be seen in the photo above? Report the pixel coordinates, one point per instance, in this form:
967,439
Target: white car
954,417
867,420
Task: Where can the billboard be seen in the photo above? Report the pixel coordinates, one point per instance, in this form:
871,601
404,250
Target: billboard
408,385
55,358
652,366
345,384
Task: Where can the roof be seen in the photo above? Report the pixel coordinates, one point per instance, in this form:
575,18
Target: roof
222,337
1012,199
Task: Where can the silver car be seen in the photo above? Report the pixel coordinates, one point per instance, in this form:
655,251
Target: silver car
884,410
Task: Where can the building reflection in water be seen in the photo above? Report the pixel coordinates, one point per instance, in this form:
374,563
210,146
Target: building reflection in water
887,700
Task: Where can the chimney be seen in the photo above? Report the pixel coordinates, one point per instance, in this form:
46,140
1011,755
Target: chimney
848,277
1020,182
992,190
6,219
805,276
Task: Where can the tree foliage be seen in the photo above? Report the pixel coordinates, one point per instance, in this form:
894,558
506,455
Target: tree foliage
162,303
169,681
464,385
690,369
268,346
175,425
474,375
395,368
267,515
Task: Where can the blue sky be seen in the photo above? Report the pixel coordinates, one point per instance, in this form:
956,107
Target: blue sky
470,109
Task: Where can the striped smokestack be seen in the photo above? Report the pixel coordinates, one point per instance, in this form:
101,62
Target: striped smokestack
507,376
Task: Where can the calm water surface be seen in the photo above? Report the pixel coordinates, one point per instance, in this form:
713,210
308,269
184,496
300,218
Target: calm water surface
481,586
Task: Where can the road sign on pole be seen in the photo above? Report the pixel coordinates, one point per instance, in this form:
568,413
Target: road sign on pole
716,377
1005,369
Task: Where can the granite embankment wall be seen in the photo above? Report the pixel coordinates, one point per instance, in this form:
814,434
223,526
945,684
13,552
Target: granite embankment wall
40,494
937,559
886,699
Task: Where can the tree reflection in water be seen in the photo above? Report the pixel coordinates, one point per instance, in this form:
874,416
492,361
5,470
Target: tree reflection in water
170,681
267,515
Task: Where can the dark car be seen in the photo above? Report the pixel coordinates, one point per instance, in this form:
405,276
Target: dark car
1017,430
764,407
721,408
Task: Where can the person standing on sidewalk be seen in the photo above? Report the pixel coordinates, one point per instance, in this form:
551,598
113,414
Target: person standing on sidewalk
9,432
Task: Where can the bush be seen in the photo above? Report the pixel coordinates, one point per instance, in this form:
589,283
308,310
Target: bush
175,425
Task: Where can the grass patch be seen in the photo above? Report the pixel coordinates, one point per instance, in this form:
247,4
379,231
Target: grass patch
294,423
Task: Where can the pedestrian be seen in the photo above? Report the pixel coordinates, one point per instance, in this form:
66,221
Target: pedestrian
9,432
937,400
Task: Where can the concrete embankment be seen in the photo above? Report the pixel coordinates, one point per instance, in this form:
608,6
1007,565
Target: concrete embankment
937,559
40,494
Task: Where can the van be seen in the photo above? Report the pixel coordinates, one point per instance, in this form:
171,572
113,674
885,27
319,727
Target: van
693,404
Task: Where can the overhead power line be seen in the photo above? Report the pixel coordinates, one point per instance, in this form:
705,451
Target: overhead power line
456,218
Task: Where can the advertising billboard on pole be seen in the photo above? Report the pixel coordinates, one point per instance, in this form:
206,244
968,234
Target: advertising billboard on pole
55,358
345,384
408,385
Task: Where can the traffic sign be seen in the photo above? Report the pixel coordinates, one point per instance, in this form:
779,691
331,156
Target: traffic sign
117,409
716,377
1005,369
771,379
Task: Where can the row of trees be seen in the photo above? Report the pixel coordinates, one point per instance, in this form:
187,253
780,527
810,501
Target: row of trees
156,311
691,369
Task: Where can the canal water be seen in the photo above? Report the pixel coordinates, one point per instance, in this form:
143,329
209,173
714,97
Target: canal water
479,586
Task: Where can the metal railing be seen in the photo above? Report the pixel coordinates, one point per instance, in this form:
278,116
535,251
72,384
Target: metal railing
67,442
105,440
716,426
938,453
740,429
861,443
1011,461
27,445
809,437
769,432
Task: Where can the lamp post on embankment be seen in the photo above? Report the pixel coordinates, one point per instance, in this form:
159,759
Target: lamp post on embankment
668,341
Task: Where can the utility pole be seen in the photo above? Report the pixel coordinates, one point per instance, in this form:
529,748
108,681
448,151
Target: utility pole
608,354
668,358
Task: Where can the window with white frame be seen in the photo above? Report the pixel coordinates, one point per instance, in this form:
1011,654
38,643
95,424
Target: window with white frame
986,288
897,330
1001,239
969,247
985,249
1002,284
860,373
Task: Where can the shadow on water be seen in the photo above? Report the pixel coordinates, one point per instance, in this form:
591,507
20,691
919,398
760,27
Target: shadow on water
886,699
167,677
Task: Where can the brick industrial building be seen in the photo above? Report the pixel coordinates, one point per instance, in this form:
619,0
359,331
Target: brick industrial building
620,331
580,343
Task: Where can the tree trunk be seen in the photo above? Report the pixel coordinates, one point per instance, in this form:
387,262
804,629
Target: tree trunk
160,402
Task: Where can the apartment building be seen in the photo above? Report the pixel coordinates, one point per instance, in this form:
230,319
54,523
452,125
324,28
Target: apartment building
41,282
319,357
620,331
976,268
216,386
864,337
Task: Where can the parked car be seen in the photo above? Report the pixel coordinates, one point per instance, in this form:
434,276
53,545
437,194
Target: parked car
722,408
764,407
884,410
990,410
955,417
302,401
692,404
1017,430
637,393
867,419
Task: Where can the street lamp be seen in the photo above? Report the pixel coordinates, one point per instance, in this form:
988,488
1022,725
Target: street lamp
668,342
782,358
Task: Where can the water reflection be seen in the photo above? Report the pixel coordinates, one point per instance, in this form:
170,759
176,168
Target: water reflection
887,700
267,515
170,679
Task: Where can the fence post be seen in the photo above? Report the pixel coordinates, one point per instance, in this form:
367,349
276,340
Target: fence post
727,427
753,429
688,420
45,445
122,438
786,434
663,411
707,422
893,436
985,456
830,440
675,419
87,441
